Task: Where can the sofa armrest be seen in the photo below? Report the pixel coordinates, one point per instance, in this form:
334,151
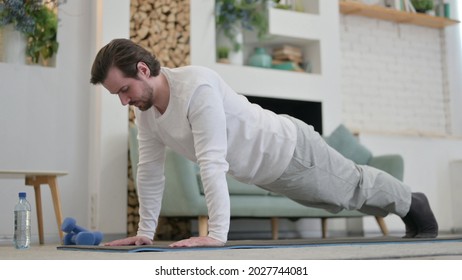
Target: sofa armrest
182,197
392,164
133,149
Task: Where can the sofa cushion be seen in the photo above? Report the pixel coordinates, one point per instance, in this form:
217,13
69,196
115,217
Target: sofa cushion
237,188
348,145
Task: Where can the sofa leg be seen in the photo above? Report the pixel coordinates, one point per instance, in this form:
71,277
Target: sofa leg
275,228
203,225
324,227
382,225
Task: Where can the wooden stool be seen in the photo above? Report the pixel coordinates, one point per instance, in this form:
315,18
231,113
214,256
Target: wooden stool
36,179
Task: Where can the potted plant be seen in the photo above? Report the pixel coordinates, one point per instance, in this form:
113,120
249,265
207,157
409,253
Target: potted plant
279,5
422,6
232,16
223,54
37,21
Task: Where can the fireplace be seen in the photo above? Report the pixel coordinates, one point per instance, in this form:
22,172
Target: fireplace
308,111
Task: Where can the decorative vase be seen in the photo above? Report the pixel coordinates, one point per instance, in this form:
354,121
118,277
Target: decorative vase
14,45
260,58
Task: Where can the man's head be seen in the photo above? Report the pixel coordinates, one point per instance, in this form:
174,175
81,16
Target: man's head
124,55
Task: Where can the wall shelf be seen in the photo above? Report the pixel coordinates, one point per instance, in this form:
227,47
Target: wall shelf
303,34
389,14
320,47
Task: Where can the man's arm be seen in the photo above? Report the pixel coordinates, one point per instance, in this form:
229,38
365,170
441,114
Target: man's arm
150,176
150,184
208,123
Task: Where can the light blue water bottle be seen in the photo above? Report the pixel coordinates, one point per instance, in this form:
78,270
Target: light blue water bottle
22,223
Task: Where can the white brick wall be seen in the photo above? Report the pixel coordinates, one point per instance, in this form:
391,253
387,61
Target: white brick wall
393,78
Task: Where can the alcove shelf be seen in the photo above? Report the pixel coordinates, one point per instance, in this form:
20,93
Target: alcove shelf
390,14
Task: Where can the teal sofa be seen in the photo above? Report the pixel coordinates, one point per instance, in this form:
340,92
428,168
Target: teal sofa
184,196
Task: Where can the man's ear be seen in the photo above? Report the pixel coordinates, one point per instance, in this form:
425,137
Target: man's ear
143,69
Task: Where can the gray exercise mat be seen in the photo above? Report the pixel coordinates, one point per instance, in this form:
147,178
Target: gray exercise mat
163,246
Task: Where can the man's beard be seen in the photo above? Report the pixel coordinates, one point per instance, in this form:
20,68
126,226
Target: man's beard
145,102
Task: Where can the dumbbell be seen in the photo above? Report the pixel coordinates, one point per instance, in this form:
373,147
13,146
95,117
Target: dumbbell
77,235
70,225
83,238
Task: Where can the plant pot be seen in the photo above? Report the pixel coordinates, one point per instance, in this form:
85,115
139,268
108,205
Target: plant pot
49,62
235,57
14,45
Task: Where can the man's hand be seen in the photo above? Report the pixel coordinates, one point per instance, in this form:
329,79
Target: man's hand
203,241
134,240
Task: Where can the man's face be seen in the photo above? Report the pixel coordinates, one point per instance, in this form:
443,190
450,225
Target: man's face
131,91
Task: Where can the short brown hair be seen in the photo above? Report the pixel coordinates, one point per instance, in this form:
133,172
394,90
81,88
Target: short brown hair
123,54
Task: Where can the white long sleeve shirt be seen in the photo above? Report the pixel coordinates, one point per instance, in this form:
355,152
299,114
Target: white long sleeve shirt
210,124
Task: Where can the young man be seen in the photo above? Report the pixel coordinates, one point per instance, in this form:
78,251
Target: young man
195,113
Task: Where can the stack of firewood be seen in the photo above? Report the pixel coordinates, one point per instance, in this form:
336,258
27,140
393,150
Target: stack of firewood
162,26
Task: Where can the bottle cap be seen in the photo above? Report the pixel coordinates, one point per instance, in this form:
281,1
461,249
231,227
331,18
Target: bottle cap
22,195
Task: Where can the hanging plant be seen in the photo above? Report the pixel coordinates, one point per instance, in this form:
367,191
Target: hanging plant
19,14
42,43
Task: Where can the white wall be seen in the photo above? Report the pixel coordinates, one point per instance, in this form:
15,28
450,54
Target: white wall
401,90
393,77
453,59
52,118
108,132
